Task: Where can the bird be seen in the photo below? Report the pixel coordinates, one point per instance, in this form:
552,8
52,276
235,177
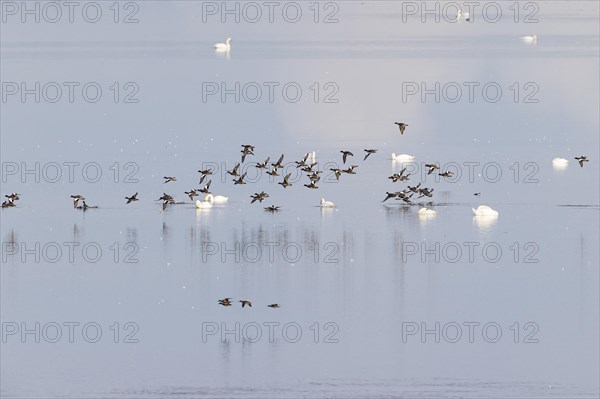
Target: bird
529,39
203,204
477,194
278,165
244,303
263,165
225,302
204,173
85,206
427,212
402,157
240,180
224,47
402,126
326,204
76,199
166,199
260,197
337,172
272,208
446,174
247,150
312,185
192,193
302,163
169,179
369,152
350,170
206,189
216,199
415,189
132,198
345,155
8,204
273,305
431,167
13,197
273,172
426,192
582,159
389,195
484,210
234,172
285,183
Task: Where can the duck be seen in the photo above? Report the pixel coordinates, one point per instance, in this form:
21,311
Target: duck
369,152
402,157
192,193
345,155
272,208
224,47
132,198
206,189
76,199
278,164
260,197
13,197
274,306
262,165
484,210
203,204
240,180
582,159
216,199
401,126
326,204
245,302
427,212
204,173
286,181
169,179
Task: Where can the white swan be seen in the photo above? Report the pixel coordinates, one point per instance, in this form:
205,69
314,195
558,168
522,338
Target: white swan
402,157
529,39
224,46
427,212
203,204
484,210
460,15
560,163
219,199
326,204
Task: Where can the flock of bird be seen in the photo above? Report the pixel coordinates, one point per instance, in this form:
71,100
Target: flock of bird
312,171
227,302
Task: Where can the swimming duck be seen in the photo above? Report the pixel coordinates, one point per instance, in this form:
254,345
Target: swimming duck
273,305
272,208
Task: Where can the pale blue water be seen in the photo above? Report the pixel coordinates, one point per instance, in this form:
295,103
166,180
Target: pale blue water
366,272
